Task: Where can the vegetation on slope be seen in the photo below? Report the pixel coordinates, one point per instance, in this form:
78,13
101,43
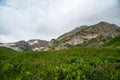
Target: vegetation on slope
71,64
6,53
115,43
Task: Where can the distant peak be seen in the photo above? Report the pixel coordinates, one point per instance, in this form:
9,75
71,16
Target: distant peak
102,23
106,24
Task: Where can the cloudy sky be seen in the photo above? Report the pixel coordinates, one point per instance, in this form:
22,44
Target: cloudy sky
47,19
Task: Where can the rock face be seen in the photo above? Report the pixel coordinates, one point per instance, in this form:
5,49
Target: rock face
84,36
87,36
71,32
38,45
18,46
31,45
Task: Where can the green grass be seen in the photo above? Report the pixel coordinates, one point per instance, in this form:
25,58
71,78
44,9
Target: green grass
6,53
114,43
70,64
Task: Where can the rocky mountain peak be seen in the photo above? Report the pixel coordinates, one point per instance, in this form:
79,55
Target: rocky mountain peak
103,23
94,35
70,33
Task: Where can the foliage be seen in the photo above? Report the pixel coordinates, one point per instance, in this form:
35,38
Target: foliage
6,53
70,64
115,43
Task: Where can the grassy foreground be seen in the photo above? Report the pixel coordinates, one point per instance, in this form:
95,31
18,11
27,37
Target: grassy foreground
71,64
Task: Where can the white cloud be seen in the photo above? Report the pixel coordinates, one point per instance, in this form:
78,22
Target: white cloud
4,38
46,19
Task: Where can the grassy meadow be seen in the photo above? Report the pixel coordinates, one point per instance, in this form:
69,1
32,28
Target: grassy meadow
71,64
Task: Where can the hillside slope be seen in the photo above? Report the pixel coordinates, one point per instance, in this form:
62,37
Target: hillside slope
115,43
89,36
6,53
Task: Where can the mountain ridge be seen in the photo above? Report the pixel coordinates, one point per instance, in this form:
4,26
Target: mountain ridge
83,36
94,35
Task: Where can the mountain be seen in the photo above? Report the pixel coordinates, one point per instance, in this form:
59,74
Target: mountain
31,45
38,45
18,46
87,36
71,32
83,36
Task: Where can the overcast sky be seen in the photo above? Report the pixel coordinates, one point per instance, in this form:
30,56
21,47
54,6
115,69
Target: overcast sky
47,19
